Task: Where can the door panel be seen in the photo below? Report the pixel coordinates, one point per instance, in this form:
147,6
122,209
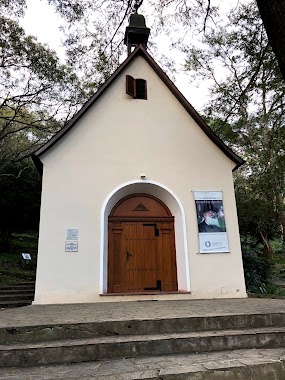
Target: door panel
115,260
139,245
168,261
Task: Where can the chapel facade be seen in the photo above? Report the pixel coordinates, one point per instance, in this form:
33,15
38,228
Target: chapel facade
138,197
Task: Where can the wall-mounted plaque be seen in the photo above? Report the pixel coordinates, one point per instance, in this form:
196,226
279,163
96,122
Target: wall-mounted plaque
71,246
72,234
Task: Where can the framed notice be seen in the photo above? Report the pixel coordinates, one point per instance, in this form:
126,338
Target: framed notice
72,234
211,221
71,246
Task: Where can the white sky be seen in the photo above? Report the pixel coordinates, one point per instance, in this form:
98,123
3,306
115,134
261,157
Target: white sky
41,21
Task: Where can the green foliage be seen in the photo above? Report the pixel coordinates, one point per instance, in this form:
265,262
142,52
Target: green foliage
257,268
19,203
278,261
11,271
16,275
37,92
25,242
278,247
275,290
256,209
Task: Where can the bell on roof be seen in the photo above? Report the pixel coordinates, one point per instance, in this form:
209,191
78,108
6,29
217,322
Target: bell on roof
136,33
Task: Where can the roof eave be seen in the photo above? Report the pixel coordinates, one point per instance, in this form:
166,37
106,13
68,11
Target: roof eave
240,163
38,163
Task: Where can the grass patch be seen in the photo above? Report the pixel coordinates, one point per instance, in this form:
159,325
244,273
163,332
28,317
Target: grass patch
16,277
11,271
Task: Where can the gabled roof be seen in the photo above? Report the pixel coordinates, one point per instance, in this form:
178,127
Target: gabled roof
139,51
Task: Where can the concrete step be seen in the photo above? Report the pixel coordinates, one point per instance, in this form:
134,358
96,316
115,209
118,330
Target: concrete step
23,286
41,333
262,364
111,347
11,304
17,297
255,364
17,291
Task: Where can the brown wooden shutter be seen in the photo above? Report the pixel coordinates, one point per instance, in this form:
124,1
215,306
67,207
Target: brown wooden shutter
130,86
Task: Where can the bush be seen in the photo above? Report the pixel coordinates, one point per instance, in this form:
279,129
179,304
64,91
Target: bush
278,246
256,267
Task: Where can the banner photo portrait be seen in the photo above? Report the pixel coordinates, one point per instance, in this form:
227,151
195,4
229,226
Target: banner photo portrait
211,222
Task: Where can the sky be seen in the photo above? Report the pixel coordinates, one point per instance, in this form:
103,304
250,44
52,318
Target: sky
41,21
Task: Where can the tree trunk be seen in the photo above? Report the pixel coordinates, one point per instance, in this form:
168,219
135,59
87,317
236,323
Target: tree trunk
267,249
273,16
281,212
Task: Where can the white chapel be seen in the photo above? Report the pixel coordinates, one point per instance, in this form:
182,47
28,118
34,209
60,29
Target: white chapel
138,199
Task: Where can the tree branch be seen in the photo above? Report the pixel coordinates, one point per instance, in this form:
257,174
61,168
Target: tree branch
16,176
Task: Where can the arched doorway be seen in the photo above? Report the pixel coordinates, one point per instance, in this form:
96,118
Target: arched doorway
141,249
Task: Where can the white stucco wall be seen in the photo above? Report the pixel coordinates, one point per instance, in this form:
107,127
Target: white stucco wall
100,160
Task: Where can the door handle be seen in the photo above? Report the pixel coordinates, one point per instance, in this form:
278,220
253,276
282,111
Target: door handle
128,254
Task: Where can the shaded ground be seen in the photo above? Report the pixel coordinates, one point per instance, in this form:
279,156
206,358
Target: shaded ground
11,271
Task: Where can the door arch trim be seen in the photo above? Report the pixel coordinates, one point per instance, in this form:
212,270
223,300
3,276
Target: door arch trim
177,209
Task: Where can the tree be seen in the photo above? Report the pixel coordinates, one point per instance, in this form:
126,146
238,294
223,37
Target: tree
167,14
247,110
102,23
37,93
19,201
272,14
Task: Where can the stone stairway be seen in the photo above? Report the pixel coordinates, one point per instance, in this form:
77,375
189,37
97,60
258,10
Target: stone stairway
267,364
17,295
227,346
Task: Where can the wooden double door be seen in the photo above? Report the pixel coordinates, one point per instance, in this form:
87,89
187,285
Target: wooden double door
141,252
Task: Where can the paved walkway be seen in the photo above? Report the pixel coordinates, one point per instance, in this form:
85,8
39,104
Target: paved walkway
136,310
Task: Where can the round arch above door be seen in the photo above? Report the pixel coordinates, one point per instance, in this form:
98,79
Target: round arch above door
141,249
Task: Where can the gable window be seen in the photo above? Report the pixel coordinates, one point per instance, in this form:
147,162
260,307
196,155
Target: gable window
136,87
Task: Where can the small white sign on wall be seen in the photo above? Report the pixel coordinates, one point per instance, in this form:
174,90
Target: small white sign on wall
72,234
26,256
71,246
